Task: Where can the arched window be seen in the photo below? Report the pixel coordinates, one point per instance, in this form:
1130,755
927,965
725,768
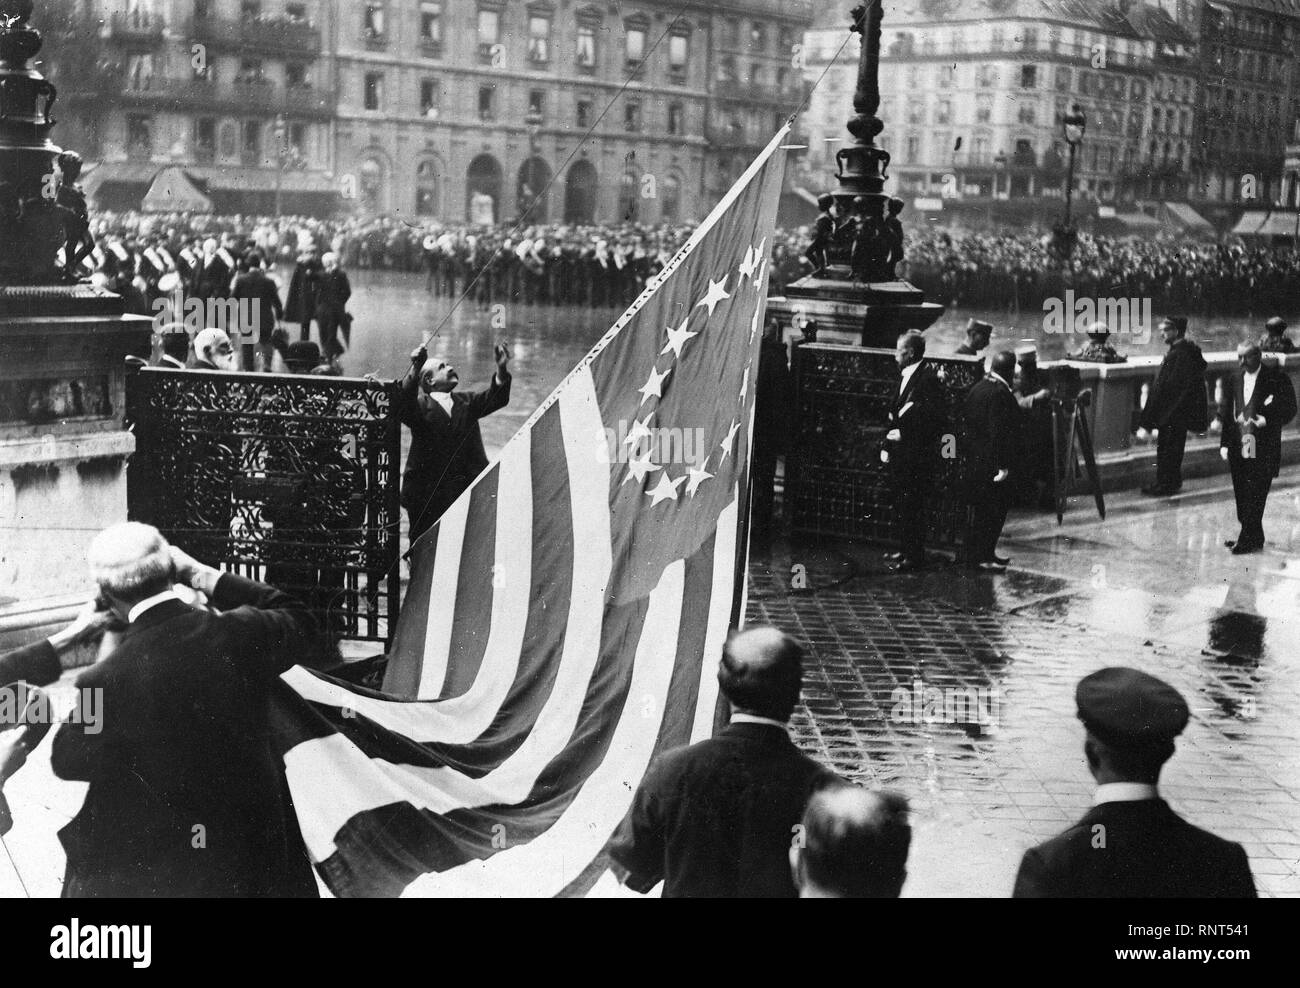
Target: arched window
629,199
580,192
426,188
372,186
483,190
671,199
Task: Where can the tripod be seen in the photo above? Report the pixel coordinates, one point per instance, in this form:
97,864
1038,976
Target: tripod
1068,418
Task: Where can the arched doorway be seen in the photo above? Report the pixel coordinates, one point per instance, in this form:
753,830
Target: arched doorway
580,192
531,190
373,191
426,188
483,190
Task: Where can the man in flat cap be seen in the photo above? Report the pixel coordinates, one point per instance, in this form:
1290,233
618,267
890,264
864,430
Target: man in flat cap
1131,844
978,335
1275,339
1258,401
717,819
1176,405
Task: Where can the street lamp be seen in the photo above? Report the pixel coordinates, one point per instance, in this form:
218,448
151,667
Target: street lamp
1074,124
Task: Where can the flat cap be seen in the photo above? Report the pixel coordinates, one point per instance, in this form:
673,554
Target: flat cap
1129,709
1276,325
975,325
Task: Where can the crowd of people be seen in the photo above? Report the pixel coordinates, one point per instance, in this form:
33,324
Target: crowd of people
569,264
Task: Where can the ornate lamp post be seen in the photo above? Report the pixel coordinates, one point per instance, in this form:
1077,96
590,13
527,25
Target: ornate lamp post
1074,124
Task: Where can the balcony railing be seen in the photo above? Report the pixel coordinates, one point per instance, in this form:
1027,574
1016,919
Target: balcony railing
735,89
238,97
136,27
276,35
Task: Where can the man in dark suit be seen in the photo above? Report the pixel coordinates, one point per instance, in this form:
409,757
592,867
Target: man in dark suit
854,845
1131,844
301,304
1258,401
992,425
1175,405
332,293
772,411
716,819
263,304
446,444
911,447
213,272
186,797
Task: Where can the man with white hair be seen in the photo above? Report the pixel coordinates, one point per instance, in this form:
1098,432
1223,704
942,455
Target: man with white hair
186,797
213,351
332,293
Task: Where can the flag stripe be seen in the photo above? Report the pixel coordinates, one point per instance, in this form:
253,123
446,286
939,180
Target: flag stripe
473,610
446,576
402,679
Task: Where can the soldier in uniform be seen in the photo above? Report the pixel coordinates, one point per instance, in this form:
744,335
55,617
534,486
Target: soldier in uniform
1176,405
1098,349
978,335
1034,483
1131,844
1275,339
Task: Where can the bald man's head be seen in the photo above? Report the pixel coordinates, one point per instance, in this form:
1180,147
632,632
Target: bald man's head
761,672
854,845
1004,365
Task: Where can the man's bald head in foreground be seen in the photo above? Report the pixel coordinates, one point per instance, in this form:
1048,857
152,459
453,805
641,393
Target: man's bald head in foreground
854,845
761,672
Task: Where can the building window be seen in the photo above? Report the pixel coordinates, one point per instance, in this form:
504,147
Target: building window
296,12
584,113
731,32
1028,113
252,145
1030,39
916,112
536,103
205,138
675,118
489,28
487,98
585,56
202,9
986,77
431,22
426,189
298,138
983,109
727,69
140,72
250,10
1064,78
671,199
997,39
943,112
374,91
632,116
1028,76
634,47
429,98
295,75
758,37
947,76
373,21
678,56
139,135
539,39
628,199
913,147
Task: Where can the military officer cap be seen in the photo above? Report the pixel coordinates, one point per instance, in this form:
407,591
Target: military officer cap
976,326
1179,323
1027,349
1129,709
1276,325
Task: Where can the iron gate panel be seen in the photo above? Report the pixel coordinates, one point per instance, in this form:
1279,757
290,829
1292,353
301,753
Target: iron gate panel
288,479
837,485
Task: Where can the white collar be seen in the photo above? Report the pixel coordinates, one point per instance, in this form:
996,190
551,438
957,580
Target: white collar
908,371
134,613
1124,792
443,398
739,718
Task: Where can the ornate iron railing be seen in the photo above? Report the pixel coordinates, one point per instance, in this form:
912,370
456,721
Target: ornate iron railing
288,479
836,485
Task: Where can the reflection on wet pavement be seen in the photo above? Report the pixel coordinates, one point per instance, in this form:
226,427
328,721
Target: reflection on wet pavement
995,763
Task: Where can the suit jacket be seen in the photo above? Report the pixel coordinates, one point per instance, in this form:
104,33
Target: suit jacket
212,278
1150,852
715,819
301,305
918,415
1177,398
36,663
332,292
258,287
1274,399
446,451
186,797
772,398
992,422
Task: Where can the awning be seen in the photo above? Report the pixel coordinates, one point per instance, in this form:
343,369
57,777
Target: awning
261,180
117,172
1138,222
1189,219
1266,223
173,192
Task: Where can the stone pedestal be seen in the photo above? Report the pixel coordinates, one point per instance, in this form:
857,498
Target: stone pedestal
63,445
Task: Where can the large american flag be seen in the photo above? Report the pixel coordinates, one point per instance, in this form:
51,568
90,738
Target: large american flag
565,617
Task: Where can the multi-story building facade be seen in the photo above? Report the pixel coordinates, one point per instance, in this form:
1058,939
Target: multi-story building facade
238,93
973,96
1249,97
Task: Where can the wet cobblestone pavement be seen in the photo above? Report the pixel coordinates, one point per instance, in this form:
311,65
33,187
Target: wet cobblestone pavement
992,772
